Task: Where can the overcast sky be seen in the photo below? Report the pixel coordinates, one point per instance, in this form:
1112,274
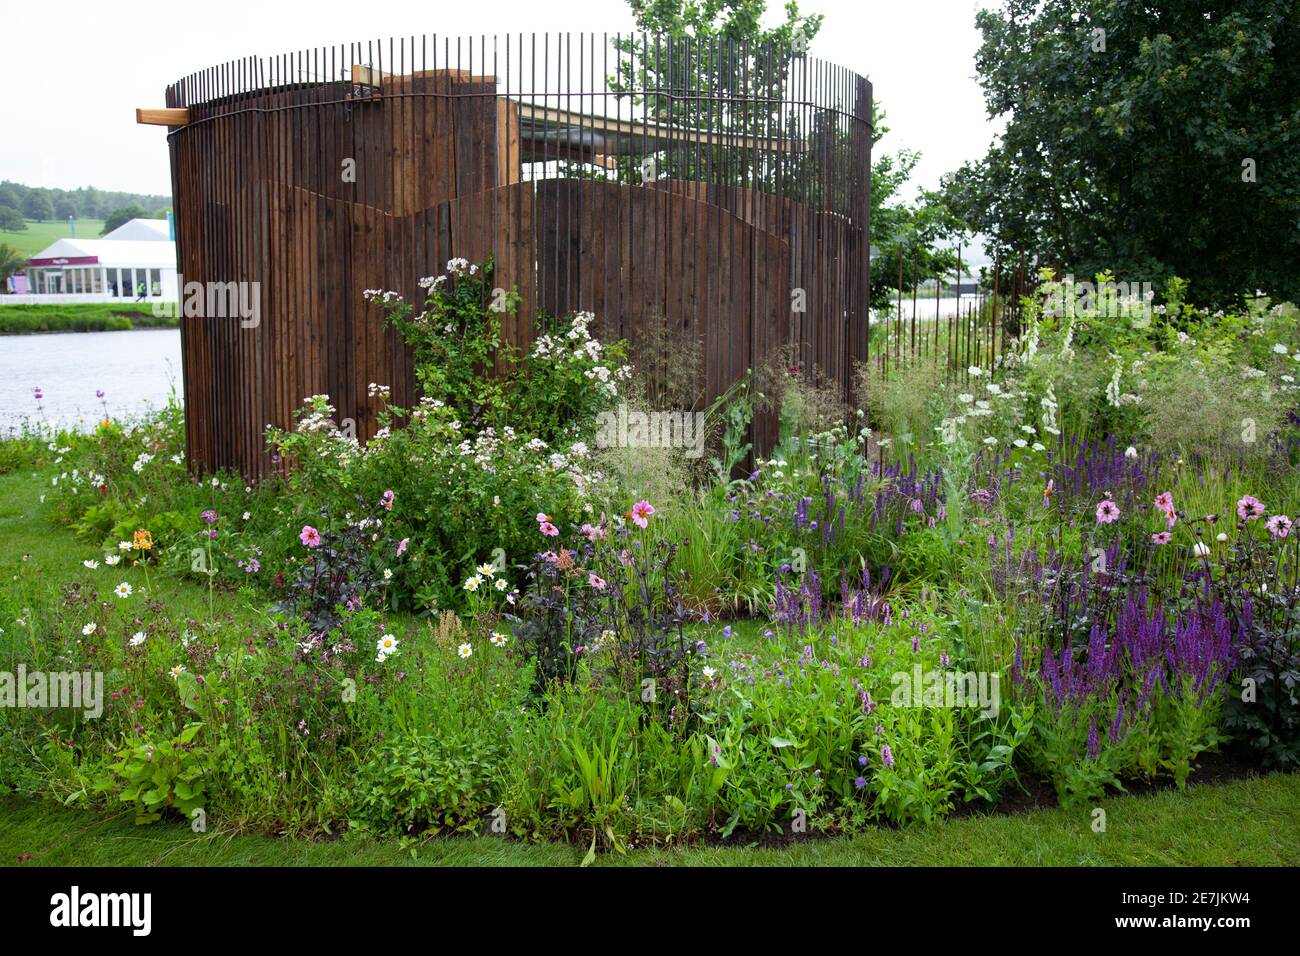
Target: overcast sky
77,71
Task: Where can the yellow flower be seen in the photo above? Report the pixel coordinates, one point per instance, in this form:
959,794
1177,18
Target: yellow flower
143,540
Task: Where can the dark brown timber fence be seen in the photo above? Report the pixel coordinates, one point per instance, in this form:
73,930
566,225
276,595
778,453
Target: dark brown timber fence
717,190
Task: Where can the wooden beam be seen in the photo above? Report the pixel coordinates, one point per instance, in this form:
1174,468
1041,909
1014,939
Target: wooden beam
368,76
650,129
163,117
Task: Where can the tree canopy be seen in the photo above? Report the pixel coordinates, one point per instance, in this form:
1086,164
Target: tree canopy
1150,139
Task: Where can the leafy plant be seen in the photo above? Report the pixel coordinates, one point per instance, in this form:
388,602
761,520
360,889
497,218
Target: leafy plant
159,776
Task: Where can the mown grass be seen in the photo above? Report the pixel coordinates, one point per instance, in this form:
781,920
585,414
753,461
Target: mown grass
52,556
80,317
38,235
1252,822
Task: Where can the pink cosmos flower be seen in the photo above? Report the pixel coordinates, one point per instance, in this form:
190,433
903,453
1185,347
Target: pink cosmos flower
1165,501
1279,526
1107,512
401,546
1249,508
309,536
596,581
641,512
593,533
386,499
548,529
1161,537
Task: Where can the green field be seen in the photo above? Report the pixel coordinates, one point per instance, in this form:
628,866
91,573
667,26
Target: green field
38,235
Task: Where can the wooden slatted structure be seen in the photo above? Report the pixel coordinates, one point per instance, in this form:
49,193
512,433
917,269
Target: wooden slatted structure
650,181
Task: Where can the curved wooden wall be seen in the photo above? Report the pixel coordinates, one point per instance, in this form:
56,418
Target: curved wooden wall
459,160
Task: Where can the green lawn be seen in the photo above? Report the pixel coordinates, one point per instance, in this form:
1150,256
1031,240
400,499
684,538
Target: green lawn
1245,823
55,555
38,235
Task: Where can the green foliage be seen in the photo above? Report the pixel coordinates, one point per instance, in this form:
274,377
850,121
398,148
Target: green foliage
423,785
121,216
159,776
11,220
1154,140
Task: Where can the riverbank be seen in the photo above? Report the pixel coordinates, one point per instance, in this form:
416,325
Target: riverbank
81,317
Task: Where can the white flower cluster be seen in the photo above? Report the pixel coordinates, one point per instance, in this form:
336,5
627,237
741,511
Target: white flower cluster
577,345
379,295
340,447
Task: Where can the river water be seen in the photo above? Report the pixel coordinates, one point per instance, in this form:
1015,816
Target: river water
136,371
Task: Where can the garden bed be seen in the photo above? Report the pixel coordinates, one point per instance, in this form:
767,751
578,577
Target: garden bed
490,621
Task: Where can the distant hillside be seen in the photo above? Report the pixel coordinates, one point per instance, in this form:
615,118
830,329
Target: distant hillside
87,202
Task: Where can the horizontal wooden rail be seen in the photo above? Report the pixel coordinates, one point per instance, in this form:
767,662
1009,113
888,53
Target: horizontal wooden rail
163,117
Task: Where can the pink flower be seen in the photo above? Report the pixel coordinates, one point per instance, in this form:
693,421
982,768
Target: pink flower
596,581
1165,502
1249,508
593,533
1161,537
548,529
641,512
1107,512
309,536
1279,526
386,499
401,546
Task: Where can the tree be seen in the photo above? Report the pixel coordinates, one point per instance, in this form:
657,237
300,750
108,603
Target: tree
121,216
691,57
66,208
10,261
10,196
1150,139
38,206
11,220
752,58
902,231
